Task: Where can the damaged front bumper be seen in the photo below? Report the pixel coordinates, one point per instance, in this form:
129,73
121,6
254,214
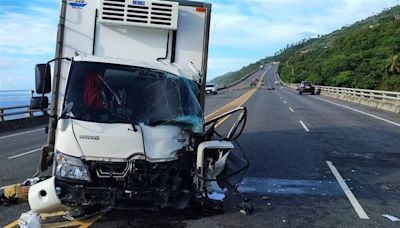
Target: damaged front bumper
53,195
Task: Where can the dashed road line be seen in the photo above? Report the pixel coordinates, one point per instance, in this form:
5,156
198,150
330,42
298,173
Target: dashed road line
21,133
356,110
25,153
304,126
291,109
353,200
284,101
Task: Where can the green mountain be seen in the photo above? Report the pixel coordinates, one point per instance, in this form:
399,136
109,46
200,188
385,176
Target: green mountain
363,55
231,77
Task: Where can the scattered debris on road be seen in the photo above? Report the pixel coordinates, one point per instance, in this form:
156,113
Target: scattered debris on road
29,219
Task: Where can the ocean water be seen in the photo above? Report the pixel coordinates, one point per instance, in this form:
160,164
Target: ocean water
12,98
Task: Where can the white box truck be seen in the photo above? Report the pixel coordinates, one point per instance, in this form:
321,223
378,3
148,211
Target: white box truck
127,124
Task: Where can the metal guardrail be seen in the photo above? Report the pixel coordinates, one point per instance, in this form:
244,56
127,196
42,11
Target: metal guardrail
238,81
385,100
27,110
364,93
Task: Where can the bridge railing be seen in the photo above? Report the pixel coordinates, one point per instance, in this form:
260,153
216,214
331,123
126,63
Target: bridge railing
25,110
237,82
385,100
364,93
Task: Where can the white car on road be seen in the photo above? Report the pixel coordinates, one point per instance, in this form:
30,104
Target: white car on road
211,88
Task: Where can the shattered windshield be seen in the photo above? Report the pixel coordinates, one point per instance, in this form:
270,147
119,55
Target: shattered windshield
150,96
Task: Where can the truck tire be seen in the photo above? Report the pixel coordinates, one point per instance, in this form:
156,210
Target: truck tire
300,92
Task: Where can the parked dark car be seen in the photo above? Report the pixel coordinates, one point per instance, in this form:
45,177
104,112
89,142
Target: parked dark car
308,87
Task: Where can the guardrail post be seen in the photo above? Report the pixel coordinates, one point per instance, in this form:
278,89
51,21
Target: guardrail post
29,110
1,115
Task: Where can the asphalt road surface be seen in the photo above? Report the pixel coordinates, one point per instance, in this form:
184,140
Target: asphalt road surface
314,163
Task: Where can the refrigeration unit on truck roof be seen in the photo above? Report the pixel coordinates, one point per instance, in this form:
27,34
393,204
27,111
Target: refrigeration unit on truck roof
150,14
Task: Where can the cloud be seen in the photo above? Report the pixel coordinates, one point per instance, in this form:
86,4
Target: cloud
32,32
12,62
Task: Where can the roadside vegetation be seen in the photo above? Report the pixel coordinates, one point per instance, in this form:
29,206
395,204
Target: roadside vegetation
363,55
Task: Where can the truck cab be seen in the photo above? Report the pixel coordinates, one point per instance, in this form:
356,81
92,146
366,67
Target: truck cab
127,122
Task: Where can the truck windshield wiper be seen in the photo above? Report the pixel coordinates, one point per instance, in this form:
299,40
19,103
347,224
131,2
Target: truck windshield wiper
67,109
122,105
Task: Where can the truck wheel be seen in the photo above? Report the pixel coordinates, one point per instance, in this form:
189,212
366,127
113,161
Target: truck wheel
300,92
312,93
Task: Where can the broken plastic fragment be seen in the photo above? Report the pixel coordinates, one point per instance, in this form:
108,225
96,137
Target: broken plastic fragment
391,217
29,219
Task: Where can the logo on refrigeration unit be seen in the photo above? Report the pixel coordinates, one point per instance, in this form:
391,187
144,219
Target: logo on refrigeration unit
139,3
77,4
89,137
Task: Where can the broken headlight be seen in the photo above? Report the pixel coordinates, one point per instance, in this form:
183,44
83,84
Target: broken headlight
71,167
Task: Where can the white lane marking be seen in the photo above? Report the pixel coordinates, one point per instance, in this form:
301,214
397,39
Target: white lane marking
356,110
22,154
22,133
353,200
291,109
284,101
304,126
280,98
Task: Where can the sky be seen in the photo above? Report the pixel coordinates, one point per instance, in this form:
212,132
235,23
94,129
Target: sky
242,31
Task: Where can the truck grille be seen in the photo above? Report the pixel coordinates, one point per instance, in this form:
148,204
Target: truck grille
152,14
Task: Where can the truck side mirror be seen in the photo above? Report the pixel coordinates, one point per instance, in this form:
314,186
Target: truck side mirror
43,78
39,102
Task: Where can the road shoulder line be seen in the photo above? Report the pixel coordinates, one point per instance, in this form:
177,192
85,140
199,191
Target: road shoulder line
25,153
350,196
21,133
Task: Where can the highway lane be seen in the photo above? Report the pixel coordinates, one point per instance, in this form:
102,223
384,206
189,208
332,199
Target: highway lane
289,182
225,96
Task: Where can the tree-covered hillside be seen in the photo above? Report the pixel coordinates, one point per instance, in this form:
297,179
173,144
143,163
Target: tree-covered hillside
231,77
363,55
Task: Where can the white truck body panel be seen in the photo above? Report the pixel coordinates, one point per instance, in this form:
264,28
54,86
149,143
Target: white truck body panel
86,36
